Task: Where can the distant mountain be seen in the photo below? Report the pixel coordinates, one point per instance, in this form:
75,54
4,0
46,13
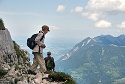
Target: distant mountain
99,60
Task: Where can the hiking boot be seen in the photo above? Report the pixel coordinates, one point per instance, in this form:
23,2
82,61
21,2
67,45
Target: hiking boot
31,72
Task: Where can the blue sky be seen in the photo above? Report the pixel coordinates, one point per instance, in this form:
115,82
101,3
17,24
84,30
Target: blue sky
70,19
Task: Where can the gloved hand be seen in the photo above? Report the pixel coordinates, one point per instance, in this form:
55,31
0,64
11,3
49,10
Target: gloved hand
43,46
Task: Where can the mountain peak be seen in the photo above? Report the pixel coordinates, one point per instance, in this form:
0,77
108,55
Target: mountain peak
122,36
108,39
2,25
99,40
104,36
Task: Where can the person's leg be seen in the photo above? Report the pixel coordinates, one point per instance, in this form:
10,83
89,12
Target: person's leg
33,66
49,68
41,62
35,63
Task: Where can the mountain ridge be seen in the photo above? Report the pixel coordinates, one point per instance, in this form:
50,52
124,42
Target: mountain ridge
101,40
100,55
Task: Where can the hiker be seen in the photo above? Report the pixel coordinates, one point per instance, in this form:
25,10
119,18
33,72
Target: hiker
49,62
38,52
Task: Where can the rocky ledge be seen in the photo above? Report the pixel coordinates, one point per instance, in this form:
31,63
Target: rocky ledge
14,63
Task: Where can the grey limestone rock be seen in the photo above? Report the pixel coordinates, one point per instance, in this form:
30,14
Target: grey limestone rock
7,47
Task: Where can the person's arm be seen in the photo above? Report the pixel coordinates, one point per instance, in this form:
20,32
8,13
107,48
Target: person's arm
53,62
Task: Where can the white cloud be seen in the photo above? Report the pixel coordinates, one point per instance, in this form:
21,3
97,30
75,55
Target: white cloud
122,25
122,6
61,8
103,24
92,16
54,28
77,9
114,6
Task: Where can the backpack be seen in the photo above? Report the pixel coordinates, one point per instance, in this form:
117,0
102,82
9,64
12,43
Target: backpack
31,41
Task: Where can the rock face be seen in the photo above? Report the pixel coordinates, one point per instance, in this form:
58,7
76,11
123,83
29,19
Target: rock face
7,51
13,60
10,52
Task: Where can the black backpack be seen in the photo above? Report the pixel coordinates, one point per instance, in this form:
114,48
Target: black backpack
31,41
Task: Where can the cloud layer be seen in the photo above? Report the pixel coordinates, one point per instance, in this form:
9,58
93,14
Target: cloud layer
97,10
106,5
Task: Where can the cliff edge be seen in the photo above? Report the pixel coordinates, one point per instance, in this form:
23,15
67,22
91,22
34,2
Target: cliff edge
14,63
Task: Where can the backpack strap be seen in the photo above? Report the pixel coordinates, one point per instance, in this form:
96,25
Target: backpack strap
41,40
42,37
